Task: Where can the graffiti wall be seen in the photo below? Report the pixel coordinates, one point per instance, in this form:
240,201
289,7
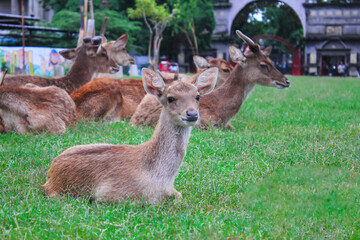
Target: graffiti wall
38,61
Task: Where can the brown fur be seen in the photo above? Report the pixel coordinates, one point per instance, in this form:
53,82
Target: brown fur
35,109
109,99
146,171
219,107
88,61
148,111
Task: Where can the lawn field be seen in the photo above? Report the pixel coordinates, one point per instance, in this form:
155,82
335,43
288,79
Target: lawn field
290,170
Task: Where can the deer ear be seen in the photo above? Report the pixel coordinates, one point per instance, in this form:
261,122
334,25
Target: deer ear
153,83
267,51
237,55
200,62
207,80
103,39
68,53
121,41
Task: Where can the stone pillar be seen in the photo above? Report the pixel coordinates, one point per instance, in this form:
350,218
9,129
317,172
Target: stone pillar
133,70
15,7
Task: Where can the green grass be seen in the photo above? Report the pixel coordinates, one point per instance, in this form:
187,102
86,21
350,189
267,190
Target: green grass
290,170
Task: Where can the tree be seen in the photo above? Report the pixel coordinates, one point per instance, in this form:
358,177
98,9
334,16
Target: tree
277,19
196,21
69,19
156,18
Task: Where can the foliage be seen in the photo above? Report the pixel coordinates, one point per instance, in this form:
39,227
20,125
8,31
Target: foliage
118,25
277,19
290,170
196,22
74,5
156,18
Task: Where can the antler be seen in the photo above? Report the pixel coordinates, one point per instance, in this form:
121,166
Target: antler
253,46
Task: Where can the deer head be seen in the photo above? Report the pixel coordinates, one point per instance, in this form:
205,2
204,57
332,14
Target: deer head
92,52
117,51
180,99
258,63
224,66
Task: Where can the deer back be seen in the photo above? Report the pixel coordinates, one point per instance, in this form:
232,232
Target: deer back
36,109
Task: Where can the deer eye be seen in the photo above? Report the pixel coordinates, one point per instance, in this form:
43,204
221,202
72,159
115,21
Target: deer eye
171,99
226,70
197,97
264,66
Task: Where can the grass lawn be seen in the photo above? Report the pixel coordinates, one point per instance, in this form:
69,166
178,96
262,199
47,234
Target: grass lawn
290,170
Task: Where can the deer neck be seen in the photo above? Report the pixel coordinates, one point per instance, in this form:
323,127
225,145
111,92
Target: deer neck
166,149
233,92
78,75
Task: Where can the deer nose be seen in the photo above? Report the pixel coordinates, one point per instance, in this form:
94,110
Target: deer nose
287,82
192,115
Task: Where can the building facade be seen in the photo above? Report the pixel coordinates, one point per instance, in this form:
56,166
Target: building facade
331,32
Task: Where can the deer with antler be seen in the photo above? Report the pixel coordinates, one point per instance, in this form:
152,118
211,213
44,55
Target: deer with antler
220,106
146,171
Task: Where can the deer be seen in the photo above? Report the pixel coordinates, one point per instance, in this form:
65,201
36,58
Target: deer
117,99
202,64
35,109
220,106
108,99
143,115
89,58
114,173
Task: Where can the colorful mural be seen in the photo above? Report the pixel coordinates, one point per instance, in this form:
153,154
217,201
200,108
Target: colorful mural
38,61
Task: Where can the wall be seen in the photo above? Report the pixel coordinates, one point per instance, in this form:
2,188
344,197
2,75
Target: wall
38,61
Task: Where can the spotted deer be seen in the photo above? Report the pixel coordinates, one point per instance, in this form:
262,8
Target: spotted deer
89,58
148,110
35,109
146,171
220,106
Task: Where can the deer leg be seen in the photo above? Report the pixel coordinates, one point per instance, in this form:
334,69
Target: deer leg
229,126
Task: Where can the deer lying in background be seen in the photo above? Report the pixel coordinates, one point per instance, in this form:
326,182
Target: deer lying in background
89,58
113,100
117,51
201,65
108,99
146,171
148,111
35,109
219,107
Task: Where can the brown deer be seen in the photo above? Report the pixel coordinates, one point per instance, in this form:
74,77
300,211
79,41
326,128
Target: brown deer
217,108
143,114
108,99
90,57
201,65
35,109
146,171
116,99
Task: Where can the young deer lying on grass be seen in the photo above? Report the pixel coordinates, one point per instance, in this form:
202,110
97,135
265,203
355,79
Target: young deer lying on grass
148,111
35,109
146,171
89,58
220,106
